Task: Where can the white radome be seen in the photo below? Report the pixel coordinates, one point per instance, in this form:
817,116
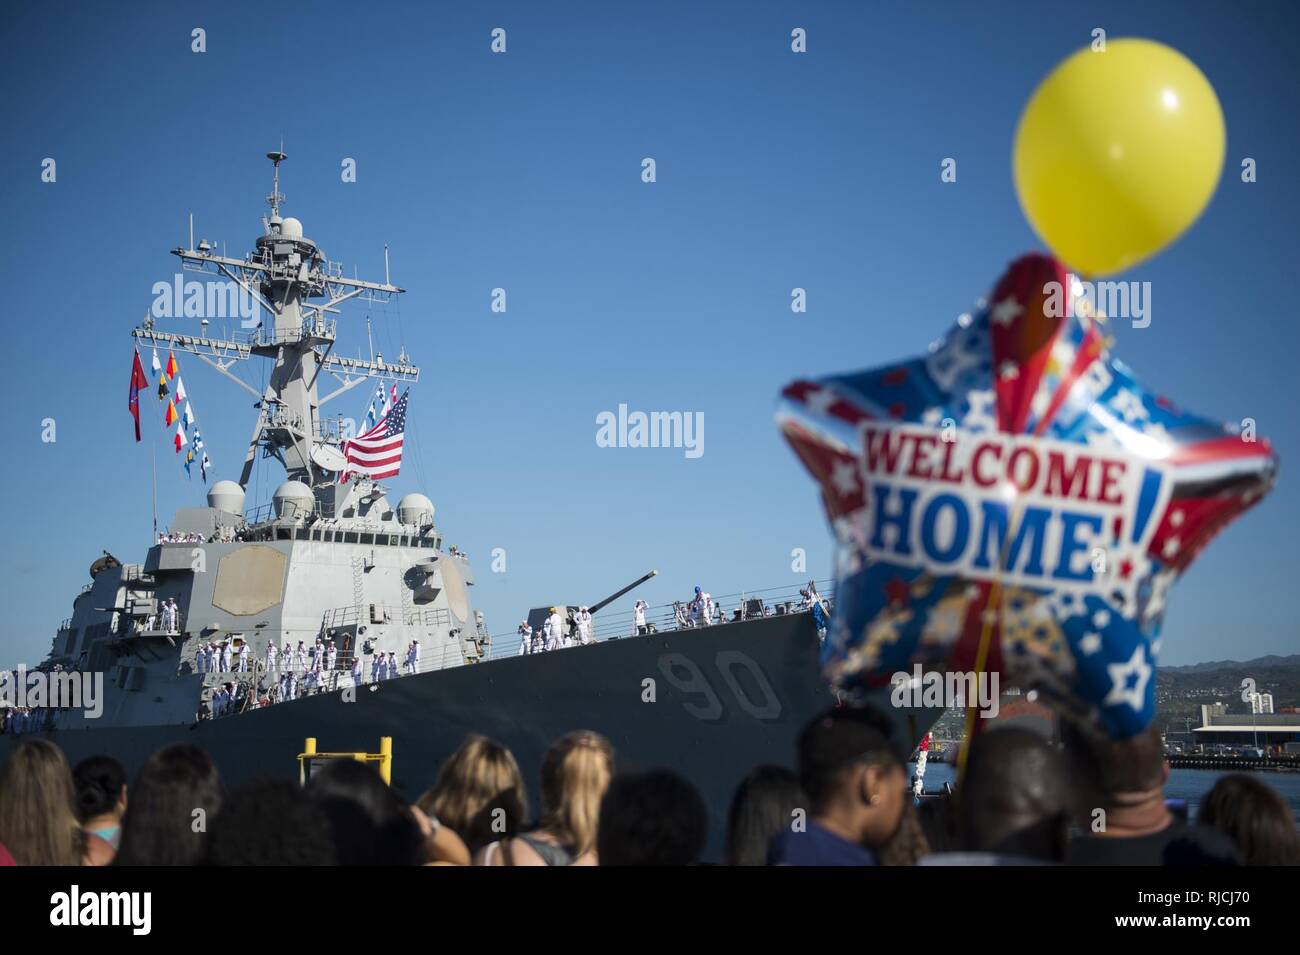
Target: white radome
227,496
415,509
291,228
293,499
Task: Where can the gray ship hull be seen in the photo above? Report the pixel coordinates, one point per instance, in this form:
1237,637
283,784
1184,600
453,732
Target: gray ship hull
710,703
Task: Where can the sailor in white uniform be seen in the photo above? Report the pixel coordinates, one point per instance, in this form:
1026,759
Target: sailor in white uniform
415,656
390,668
286,656
356,670
219,700
583,620
300,657
556,637
376,667
225,656
271,653
244,653
638,616
331,656
525,638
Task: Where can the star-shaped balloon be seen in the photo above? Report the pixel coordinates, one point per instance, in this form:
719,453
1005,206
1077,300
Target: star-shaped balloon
1016,502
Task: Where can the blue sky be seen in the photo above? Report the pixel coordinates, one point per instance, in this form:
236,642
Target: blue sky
522,171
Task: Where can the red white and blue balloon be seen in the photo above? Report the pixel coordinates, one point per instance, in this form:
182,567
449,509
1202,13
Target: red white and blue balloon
1017,488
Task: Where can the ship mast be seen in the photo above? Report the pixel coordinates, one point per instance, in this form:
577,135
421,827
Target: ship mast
298,289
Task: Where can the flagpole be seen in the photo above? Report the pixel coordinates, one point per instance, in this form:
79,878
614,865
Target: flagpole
153,455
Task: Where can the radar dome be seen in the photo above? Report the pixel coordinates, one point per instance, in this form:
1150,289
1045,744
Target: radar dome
415,509
293,500
227,496
291,228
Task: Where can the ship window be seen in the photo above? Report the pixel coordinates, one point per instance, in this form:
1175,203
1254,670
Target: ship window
350,537
367,538
381,539
302,534
282,533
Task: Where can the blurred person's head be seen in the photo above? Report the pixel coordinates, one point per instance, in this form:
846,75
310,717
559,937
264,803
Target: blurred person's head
575,774
479,793
763,806
174,799
853,773
370,824
1110,773
1012,799
908,844
100,783
38,821
1255,817
651,818
936,818
269,822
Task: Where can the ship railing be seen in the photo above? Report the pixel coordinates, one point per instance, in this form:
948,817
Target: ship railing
664,618
365,615
312,328
265,513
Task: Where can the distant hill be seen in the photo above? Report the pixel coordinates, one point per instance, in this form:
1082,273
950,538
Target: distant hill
1180,691
1272,660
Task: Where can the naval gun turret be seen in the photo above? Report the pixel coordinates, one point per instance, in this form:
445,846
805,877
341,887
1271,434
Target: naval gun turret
537,616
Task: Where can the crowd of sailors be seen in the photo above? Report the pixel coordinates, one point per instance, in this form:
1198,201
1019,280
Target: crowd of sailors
291,673
575,629
224,534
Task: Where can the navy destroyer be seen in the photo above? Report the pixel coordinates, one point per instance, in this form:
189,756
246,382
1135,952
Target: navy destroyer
333,558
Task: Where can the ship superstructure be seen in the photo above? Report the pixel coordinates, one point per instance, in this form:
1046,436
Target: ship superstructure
329,559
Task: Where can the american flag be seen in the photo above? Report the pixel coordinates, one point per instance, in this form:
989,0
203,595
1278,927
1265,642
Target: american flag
378,451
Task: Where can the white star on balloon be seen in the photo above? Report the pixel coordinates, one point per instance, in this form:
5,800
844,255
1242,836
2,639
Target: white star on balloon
1119,673
1090,643
980,414
1129,406
1005,311
819,402
844,475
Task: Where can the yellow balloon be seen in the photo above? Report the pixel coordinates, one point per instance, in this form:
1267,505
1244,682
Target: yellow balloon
1117,153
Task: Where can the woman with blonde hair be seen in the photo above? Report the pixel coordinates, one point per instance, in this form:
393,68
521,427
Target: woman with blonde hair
479,793
38,816
576,771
